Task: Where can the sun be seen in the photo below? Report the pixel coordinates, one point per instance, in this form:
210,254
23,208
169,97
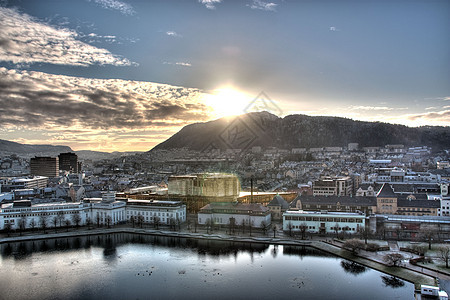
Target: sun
227,101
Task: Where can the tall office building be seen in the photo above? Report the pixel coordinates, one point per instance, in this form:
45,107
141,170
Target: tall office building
44,166
68,162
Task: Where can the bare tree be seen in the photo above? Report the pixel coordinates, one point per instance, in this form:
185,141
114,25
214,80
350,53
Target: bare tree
444,254
43,219
303,228
178,224
398,232
32,224
140,220
290,228
156,222
274,228
108,221
22,223
208,225
133,221
354,244
336,229
67,223
88,222
364,232
344,231
60,218
393,259
55,222
428,235
76,219
264,227
97,219
7,228
172,224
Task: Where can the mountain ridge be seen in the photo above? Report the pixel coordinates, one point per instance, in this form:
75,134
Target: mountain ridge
301,131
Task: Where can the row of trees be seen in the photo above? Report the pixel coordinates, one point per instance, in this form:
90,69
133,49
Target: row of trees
44,222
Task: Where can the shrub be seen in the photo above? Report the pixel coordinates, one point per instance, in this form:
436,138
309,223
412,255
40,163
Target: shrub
373,247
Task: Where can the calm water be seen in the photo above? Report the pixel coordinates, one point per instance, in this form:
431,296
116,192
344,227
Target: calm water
126,266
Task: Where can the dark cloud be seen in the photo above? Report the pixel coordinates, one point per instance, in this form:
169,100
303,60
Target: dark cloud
33,99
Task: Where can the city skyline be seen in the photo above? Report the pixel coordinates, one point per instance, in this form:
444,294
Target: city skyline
113,75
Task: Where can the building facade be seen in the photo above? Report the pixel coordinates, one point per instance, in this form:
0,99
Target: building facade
151,211
235,214
218,186
323,222
44,166
97,211
68,162
333,186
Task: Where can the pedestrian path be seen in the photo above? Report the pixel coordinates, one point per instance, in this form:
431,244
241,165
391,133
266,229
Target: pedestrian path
393,245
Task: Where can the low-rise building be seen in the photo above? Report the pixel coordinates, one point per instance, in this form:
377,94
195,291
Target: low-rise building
163,212
235,213
333,186
277,207
323,222
100,211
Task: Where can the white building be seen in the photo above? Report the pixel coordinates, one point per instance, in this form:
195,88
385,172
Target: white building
34,215
107,210
224,213
28,182
102,211
165,211
323,222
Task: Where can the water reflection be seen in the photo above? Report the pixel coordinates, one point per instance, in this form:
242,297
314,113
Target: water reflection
110,242
132,266
353,268
392,281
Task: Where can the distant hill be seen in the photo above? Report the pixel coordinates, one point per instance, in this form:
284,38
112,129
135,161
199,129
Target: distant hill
27,150
300,131
8,147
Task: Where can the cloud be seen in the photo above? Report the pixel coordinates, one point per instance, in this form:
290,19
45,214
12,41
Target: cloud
122,7
210,4
436,118
263,5
96,107
24,40
333,28
361,107
439,98
173,33
180,63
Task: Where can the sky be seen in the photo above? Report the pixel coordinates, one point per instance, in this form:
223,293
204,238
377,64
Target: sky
112,75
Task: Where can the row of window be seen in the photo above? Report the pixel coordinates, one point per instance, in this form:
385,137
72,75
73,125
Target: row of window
39,214
332,228
323,219
329,206
34,208
412,209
